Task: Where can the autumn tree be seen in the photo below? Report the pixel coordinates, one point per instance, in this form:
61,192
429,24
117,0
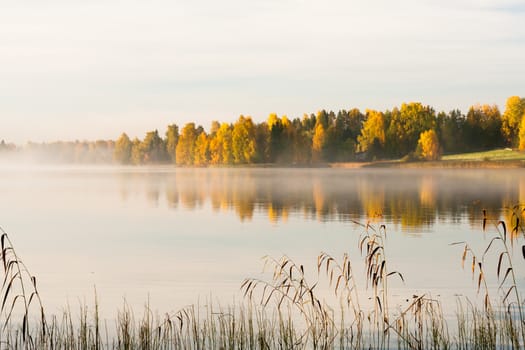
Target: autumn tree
153,148
318,143
122,152
243,140
221,145
185,151
137,154
172,138
428,145
202,149
215,125
272,120
522,134
224,135
323,117
372,138
214,147
405,126
511,119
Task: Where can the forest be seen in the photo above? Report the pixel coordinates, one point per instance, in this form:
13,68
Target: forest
412,131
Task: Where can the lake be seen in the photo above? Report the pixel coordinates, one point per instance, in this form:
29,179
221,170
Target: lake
173,237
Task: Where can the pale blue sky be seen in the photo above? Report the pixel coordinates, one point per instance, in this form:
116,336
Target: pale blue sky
93,69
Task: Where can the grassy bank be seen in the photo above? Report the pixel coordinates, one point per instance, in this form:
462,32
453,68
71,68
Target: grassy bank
285,311
506,154
493,159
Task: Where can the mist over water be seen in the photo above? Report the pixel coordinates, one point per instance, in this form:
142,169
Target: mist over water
175,236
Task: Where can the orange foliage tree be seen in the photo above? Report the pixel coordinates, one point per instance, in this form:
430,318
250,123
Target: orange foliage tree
428,145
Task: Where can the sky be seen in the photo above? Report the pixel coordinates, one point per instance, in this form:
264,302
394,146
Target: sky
87,70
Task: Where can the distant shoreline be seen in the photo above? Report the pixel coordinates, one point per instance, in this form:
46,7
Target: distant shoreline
439,164
381,164
392,164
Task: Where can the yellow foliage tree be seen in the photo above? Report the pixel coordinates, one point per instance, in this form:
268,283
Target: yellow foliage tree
286,122
318,142
243,140
272,120
373,132
522,134
221,145
185,150
214,154
428,145
202,150
122,152
511,119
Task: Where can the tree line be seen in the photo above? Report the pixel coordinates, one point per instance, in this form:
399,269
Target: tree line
412,130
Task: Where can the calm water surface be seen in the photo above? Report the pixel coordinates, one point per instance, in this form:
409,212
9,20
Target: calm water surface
177,236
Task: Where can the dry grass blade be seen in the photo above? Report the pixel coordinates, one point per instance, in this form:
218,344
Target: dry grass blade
24,327
515,230
378,301
489,245
8,288
248,286
508,293
10,267
382,268
504,226
373,253
361,243
328,263
509,270
337,283
31,297
359,223
499,263
11,309
397,273
480,279
382,229
2,240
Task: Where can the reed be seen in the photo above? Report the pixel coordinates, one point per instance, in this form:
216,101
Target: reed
288,311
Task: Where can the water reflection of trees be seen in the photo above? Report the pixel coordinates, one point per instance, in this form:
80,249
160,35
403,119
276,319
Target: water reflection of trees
410,199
